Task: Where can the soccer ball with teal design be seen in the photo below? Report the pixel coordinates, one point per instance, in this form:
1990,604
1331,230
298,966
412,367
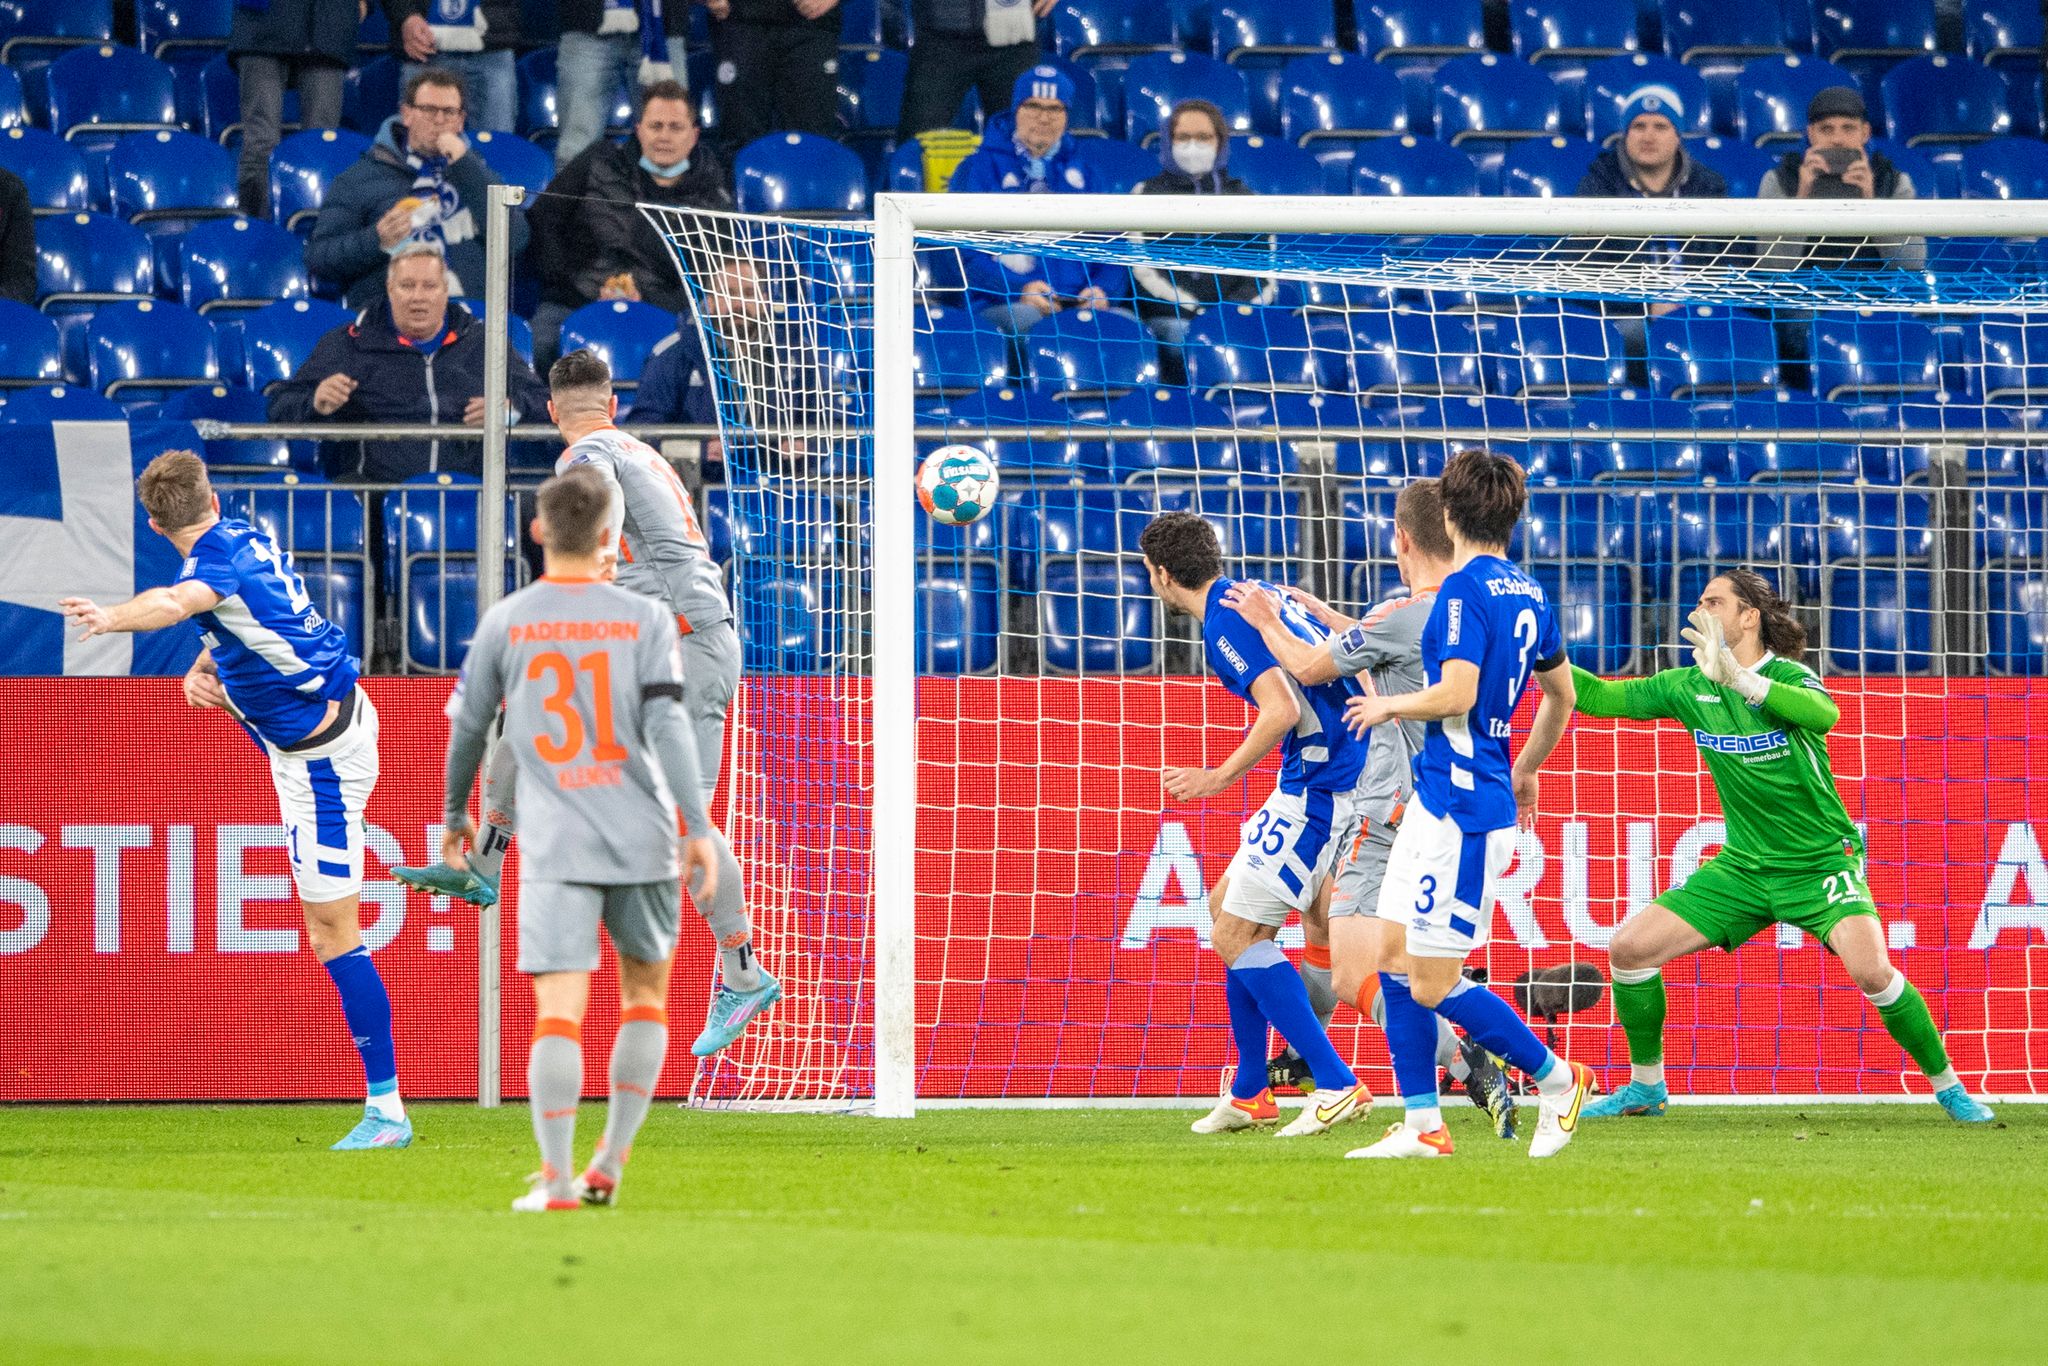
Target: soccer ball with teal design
957,484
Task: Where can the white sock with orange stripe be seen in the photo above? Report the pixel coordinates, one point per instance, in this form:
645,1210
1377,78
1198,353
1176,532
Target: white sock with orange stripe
554,1083
637,1057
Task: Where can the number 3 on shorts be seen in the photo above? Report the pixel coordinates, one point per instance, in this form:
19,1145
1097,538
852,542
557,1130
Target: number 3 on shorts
1428,902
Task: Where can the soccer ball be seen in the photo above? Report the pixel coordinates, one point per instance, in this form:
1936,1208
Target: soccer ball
957,484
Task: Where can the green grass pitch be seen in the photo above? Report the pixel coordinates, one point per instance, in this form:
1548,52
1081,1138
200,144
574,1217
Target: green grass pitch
229,1234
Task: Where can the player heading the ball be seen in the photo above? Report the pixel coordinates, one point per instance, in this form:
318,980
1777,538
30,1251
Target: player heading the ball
1490,631
1287,848
276,665
1792,856
591,679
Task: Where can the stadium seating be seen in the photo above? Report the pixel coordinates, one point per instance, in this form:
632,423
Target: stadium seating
1740,164
1545,168
799,173
84,259
59,403
98,93
2017,617
959,618
2005,360
1699,351
517,161
1882,620
138,352
1154,84
51,168
622,331
1401,29
241,263
1409,165
13,102
33,31
1275,166
539,117
1609,84
871,91
1874,356
370,94
1548,355
2003,32
276,340
230,402
1340,96
1416,352
1097,617
1485,103
1676,454
1128,459
2005,168
1943,100
215,108
166,175
1119,165
1088,31
1774,92
954,354
783,622
302,167
175,25
30,350
1240,346
1546,31
979,420
1081,352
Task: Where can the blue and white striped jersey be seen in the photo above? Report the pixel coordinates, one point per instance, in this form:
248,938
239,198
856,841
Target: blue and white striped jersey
279,659
1319,754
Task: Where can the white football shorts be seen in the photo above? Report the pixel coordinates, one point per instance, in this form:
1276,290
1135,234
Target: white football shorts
1440,882
1286,850
321,793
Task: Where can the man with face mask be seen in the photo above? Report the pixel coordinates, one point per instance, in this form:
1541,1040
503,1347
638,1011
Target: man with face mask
1194,149
1028,151
590,243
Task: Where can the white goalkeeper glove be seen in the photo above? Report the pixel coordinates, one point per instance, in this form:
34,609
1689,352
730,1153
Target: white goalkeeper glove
1711,653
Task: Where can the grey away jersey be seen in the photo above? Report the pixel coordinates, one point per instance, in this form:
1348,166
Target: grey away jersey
1387,647
663,552
590,675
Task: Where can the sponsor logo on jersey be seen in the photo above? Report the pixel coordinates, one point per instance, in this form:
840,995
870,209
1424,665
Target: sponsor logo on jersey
1457,619
1354,640
1513,588
1498,729
1706,697
1230,653
186,570
1740,744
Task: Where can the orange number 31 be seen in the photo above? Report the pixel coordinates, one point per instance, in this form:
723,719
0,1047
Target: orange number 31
561,703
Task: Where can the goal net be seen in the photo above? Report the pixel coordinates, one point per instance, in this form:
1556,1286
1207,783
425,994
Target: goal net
947,757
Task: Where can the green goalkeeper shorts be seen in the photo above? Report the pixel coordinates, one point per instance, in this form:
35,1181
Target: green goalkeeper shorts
1730,903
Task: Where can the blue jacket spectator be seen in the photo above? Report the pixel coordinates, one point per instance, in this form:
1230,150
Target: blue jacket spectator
418,184
1649,160
1028,151
411,357
675,384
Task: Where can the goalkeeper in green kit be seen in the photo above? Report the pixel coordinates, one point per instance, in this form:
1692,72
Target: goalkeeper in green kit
1760,719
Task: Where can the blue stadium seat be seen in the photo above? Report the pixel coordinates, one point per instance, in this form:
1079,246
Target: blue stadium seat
783,622
432,518
1158,407
799,173
1418,28
174,25
1117,164
1552,354
1409,165
138,352
1155,84
303,514
277,340
51,168
1697,351
959,618
36,30
1874,356
168,175
1772,461
1675,453
1490,100
1246,346
1083,352
1943,100
954,354
979,420
1545,168
1415,352
1097,617
30,350
871,91
302,168
791,525
1397,457
1594,608
1609,84
1740,164
1341,97
84,259
2005,360
1275,166
439,601
1252,32
230,402
1928,181
1094,29
13,103
517,161
241,263
1880,621
2005,168
1774,93
59,403
860,30
2003,33
1855,33
371,91
1695,31
1564,37
2017,615
623,331
99,93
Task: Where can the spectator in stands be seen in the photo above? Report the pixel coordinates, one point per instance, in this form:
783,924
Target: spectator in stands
1838,164
476,39
603,42
1649,162
286,42
17,240
1194,149
417,184
590,243
1028,151
963,45
675,384
778,67
411,357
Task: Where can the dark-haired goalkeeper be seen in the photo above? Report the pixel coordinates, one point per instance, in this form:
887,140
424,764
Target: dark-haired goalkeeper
1792,856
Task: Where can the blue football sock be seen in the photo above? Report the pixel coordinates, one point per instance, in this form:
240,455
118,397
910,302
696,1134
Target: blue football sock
1283,999
367,1007
1248,1031
1493,1022
1411,1039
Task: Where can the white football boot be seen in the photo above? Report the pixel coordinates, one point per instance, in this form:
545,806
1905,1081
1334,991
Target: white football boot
1327,1108
1402,1141
1557,1117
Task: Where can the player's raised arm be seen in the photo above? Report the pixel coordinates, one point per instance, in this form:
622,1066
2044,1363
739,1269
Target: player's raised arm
1307,660
1739,624
151,610
1633,699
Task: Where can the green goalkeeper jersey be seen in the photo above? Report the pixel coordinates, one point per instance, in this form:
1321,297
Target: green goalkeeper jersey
1769,761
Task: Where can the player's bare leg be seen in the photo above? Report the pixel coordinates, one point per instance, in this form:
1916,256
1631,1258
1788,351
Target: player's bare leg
554,1085
1858,940
334,930
637,1057
1642,945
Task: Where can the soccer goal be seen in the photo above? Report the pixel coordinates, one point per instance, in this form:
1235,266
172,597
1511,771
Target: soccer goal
947,755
